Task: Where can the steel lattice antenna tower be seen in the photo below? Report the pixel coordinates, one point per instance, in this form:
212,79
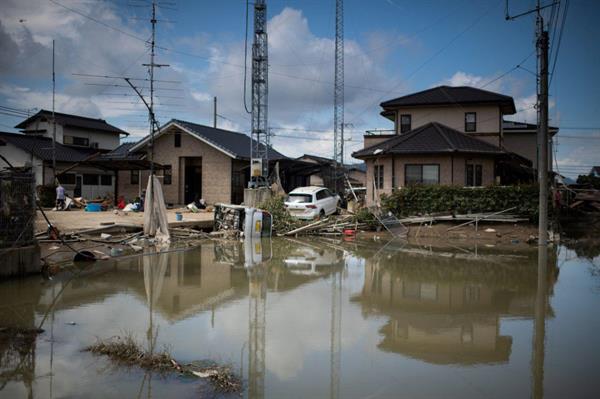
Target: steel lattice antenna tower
260,87
338,99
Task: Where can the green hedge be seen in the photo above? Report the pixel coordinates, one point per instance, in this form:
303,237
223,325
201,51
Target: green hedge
47,195
420,200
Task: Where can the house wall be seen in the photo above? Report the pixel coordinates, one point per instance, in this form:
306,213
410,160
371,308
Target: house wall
524,144
88,191
105,140
315,180
488,117
216,169
18,157
48,127
359,176
452,171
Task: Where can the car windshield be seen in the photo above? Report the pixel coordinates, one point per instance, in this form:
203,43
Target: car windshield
299,198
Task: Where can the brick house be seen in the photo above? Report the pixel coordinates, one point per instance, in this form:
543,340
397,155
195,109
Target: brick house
197,161
451,136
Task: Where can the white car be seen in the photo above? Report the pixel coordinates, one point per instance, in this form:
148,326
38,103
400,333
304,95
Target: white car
311,202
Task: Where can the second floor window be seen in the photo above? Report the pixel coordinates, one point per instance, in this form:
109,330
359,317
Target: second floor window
177,139
405,123
74,140
470,121
378,176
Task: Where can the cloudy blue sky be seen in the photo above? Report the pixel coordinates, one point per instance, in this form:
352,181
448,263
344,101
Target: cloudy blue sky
393,47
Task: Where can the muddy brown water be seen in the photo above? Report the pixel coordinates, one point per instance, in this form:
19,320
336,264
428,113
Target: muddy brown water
316,319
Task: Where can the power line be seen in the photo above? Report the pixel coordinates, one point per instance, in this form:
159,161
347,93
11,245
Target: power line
100,22
509,71
122,77
562,26
428,60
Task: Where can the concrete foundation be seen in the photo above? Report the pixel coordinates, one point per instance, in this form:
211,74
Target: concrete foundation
253,197
20,261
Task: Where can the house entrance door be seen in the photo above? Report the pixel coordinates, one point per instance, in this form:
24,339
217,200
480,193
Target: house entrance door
193,179
78,184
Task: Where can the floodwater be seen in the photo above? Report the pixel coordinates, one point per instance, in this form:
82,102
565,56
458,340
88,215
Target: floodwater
317,319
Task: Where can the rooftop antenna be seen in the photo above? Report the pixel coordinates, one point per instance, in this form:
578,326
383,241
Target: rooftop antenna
338,99
151,66
260,93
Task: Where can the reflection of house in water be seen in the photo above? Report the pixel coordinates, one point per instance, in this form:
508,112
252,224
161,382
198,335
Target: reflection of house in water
192,282
447,311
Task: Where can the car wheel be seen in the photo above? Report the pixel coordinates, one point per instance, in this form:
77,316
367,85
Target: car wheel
322,214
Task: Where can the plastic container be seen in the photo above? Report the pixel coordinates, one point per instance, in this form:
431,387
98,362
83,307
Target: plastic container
178,216
93,208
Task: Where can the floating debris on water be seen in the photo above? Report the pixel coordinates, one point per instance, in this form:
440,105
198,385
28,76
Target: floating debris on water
128,352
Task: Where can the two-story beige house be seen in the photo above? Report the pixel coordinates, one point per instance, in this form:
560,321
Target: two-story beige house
452,136
78,138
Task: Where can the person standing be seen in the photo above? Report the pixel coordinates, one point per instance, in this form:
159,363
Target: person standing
60,197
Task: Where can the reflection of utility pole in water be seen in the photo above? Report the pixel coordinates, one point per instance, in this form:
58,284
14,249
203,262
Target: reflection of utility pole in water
256,348
155,268
336,327
539,327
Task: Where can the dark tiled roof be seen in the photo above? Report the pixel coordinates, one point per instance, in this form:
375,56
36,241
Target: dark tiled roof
316,158
237,144
323,160
432,138
41,147
509,126
122,152
75,121
362,167
449,95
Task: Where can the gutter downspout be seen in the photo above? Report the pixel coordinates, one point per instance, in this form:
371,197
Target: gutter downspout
452,169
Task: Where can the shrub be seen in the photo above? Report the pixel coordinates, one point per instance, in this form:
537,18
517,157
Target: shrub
282,220
47,195
418,200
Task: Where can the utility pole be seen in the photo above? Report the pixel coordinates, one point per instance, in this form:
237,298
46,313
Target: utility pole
260,92
542,108
539,332
338,98
53,118
215,112
543,134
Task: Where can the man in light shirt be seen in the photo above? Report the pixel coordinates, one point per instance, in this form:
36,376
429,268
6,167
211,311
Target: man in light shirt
60,197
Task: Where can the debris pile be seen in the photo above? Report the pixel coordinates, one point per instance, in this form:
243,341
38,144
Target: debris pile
127,352
588,200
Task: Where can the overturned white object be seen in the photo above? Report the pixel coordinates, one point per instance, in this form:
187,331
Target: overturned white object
155,211
206,373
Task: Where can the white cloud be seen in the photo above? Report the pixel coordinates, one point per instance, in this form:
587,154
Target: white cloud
300,74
